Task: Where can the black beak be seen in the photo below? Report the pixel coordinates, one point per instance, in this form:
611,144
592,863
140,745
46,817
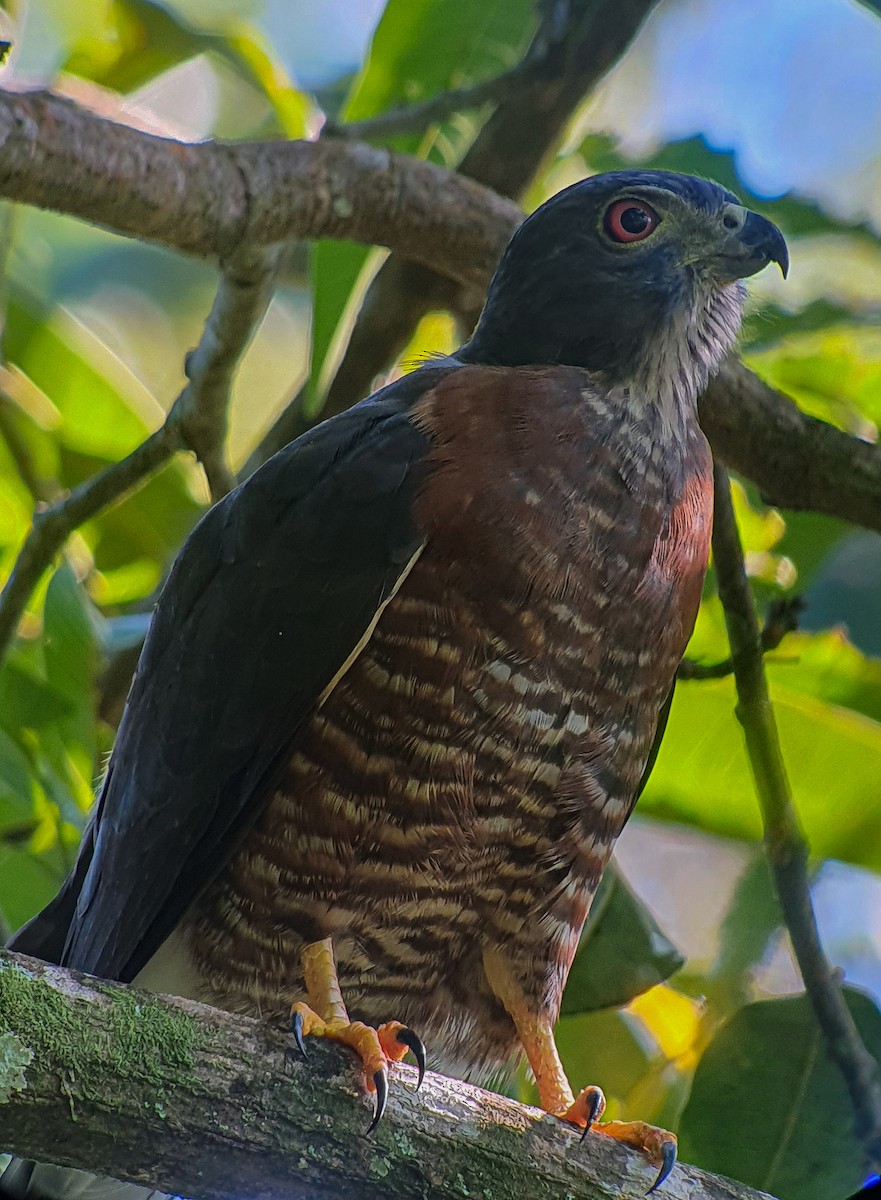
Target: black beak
764,242
751,243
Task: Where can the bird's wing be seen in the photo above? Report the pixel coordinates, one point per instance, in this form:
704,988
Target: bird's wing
274,594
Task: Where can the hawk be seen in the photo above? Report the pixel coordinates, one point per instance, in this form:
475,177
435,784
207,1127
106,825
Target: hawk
403,685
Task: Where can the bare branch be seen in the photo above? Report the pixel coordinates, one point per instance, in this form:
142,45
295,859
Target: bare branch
574,46
414,117
212,198
784,838
53,525
202,410
199,1102
797,461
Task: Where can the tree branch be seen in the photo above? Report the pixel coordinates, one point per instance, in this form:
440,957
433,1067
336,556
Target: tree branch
212,198
226,199
782,618
564,62
202,409
784,839
797,461
197,419
198,1102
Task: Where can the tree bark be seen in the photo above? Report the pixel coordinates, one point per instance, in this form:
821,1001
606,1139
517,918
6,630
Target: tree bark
212,198
199,1102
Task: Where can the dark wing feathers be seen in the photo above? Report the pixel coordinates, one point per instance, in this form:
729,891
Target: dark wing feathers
273,591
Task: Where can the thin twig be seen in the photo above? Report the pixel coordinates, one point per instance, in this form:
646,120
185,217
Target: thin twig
414,117
202,410
784,838
782,619
197,420
52,526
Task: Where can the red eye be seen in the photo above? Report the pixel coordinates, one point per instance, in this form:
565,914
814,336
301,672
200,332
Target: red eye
630,220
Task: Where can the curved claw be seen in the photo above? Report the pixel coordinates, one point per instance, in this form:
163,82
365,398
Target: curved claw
380,1082
297,1030
414,1043
668,1162
595,1106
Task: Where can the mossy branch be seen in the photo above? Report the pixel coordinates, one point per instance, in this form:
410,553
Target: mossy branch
198,1102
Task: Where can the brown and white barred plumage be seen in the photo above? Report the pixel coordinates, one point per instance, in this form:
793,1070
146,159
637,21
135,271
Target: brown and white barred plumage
466,780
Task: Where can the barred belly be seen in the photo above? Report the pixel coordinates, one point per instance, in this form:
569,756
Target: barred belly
464,782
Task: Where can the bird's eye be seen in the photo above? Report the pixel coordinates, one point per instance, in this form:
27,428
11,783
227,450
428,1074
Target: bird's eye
629,221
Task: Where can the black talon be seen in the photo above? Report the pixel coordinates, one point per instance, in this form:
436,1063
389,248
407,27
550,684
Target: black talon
297,1030
668,1162
414,1043
380,1082
597,1104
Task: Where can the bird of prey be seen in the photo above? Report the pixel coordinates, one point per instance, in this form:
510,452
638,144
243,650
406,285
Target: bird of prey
403,685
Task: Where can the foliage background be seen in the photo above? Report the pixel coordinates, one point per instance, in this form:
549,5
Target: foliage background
669,1005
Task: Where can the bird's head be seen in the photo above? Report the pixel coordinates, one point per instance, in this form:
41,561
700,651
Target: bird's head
633,275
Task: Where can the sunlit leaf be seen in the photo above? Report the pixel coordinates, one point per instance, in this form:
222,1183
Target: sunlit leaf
671,1018
834,374
334,268
622,952
702,775
768,1106
830,668
97,416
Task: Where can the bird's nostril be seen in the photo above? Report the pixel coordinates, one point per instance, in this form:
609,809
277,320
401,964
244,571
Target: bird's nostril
730,221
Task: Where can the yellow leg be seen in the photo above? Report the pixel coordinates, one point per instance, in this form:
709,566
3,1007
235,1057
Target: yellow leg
536,1034
325,1016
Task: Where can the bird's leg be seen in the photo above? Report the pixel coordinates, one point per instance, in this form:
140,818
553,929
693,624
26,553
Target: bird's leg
325,1016
536,1034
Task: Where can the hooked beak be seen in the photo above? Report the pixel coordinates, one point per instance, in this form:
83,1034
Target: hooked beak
749,243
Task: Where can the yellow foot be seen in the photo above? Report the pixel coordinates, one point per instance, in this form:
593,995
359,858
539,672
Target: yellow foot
658,1144
375,1047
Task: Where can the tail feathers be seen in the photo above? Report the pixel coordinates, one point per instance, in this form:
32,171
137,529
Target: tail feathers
27,1180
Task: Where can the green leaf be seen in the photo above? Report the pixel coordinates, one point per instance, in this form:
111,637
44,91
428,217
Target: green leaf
702,776
603,1048
420,48
834,374
27,883
623,952
27,701
830,668
70,636
423,47
334,268
768,1106
58,355
71,655
16,786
